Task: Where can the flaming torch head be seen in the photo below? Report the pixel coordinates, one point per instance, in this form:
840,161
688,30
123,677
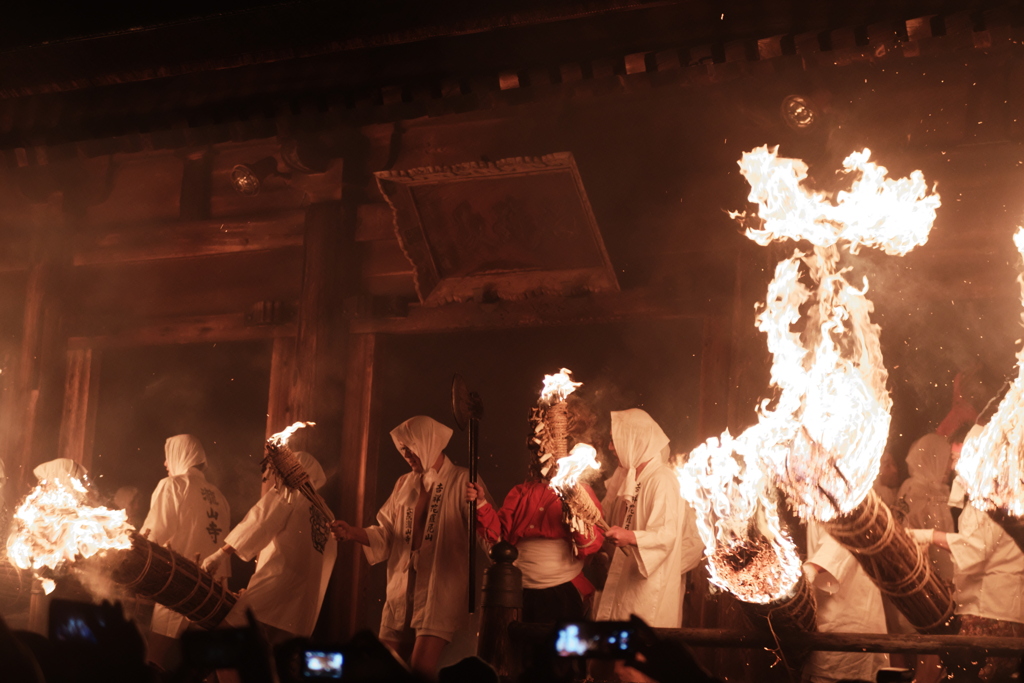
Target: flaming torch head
825,433
54,527
748,553
991,463
581,462
557,387
280,458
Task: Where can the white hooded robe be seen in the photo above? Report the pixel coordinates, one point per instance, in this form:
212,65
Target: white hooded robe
924,497
187,514
440,602
646,580
296,556
848,602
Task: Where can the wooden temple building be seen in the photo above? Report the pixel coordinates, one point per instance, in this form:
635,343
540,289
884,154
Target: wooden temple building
359,200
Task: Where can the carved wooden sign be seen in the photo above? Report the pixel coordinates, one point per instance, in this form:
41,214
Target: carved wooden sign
511,228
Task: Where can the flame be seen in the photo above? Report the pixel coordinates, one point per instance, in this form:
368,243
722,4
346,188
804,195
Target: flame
990,463
892,215
281,438
581,460
557,387
748,553
824,435
54,526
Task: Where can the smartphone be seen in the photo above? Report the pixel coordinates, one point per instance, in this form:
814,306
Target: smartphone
596,639
226,648
322,664
75,622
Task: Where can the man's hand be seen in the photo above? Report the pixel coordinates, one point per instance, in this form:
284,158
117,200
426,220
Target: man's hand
474,492
922,537
620,537
214,561
343,531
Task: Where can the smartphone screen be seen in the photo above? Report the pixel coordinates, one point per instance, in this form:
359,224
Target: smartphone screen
322,664
76,622
596,639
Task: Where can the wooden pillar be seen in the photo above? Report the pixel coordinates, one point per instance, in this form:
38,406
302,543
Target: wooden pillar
357,484
32,409
280,412
81,388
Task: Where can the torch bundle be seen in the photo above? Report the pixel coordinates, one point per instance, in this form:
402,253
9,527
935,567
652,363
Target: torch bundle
55,530
748,552
991,465
557,422
822,438
282,463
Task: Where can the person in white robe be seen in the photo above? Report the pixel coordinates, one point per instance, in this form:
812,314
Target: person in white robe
421,532
188,514
988,576
296,555
60,471
848,602
652,524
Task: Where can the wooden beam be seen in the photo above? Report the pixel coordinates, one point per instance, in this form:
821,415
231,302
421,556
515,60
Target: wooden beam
638,304
179,330
81,388
195,238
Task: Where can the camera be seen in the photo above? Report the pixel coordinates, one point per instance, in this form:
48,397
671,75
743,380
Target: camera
321,664
596,639
78,623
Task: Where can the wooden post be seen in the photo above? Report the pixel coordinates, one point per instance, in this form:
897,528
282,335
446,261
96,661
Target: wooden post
81,388
501,606
37,394
358,484
280,411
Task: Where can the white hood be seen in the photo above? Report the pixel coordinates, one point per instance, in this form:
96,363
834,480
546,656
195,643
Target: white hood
424,436
62,470
637,439
182,452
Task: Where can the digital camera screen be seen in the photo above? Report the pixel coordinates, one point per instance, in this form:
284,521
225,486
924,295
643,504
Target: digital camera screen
321,664
606,640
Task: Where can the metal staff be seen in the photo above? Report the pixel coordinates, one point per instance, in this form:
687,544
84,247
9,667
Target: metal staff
467,408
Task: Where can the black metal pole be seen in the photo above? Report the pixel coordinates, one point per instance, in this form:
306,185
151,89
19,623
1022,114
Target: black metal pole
474,426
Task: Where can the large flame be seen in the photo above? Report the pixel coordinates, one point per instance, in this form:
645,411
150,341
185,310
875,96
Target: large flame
748,553
892,215
581,461
281,438
54,526
991,463
557,387
824,434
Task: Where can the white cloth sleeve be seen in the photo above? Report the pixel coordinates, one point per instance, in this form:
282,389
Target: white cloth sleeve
382,533
654,544
263,521
974,545
837,565
162,520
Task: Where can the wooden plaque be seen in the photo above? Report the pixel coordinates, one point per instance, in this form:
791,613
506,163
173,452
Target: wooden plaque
510,228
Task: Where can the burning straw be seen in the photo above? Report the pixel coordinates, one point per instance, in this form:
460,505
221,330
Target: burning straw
289,471
56,530
822,438
551,419
991,464
582,515
748,553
